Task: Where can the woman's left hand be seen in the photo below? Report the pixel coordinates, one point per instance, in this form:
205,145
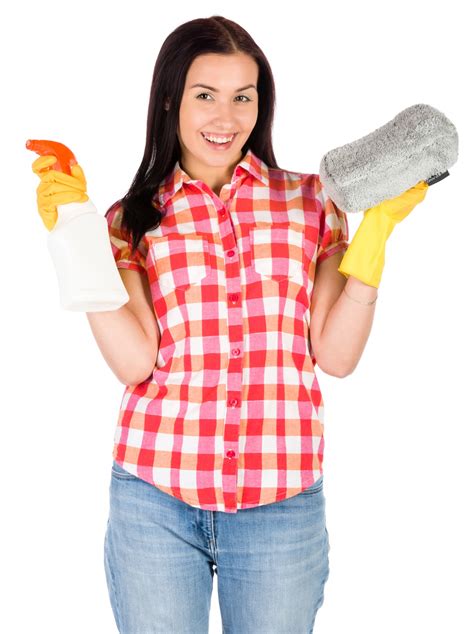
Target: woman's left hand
365,256
399,207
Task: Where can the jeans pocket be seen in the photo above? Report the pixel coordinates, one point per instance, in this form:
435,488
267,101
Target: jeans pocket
316,487
120,473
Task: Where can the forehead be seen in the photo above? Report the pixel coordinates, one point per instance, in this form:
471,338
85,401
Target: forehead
224,69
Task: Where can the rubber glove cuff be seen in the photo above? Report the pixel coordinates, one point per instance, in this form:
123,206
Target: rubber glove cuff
365,255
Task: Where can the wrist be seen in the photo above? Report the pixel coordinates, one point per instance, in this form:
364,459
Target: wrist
358,301
359,290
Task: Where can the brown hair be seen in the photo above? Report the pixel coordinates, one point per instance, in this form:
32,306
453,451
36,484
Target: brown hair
196,37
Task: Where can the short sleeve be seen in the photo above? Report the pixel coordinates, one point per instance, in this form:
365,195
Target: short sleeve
333,226
121,246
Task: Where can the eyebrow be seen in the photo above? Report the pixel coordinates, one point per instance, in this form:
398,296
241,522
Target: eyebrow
216,90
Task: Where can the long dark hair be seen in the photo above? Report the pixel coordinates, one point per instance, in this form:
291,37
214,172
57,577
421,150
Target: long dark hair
196,37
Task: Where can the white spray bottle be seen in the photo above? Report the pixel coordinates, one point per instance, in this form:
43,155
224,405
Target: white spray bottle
79,245
80,248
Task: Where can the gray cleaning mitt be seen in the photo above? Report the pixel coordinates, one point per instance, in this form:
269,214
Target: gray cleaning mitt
420,143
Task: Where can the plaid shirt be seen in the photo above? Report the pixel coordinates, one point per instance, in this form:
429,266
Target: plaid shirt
232,415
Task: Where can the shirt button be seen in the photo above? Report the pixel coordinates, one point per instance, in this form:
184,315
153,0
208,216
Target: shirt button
230,253
234,297
230,453
222,212
234,402
236,351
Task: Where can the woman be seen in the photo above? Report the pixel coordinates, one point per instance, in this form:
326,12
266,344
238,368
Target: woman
233,268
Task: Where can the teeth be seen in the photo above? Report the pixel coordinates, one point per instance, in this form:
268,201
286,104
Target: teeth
217,139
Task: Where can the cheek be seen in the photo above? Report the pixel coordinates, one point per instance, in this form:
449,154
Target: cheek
190,120
248,126
250,119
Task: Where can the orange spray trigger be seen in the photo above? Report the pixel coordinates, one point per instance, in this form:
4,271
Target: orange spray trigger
65,158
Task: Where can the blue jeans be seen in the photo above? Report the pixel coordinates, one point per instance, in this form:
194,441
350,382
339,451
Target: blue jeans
160,555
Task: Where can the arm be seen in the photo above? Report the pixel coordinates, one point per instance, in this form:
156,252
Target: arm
129,336
339,326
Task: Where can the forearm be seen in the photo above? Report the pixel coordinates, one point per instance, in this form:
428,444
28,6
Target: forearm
123,343
347,328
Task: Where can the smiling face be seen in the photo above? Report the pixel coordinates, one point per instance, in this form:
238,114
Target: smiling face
227,106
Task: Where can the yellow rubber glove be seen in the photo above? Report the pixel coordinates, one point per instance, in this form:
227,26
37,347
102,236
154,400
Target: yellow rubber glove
57,188
365,256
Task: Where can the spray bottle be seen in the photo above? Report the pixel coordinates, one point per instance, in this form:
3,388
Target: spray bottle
80,248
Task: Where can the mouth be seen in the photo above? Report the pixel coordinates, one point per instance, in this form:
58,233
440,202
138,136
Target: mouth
215,145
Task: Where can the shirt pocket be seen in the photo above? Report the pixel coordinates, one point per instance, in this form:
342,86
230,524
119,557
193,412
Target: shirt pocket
179,260
277,250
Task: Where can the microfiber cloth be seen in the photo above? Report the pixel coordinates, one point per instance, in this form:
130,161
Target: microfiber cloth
420,143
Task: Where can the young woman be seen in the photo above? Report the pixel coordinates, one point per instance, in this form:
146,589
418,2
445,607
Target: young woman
233,268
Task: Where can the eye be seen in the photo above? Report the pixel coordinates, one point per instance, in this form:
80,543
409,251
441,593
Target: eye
206,93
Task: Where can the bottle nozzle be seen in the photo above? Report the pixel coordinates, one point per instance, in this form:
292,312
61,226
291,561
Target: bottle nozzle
65,158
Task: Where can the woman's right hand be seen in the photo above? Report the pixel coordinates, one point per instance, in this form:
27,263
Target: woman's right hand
57,188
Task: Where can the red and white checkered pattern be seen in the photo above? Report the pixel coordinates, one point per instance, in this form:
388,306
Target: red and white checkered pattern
232,415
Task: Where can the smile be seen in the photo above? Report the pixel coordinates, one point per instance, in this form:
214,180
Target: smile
215,141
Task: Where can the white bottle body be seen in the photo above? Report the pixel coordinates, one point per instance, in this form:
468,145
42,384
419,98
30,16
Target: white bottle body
80,248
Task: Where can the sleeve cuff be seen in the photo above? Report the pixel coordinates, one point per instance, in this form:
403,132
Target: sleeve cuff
133,266
331,250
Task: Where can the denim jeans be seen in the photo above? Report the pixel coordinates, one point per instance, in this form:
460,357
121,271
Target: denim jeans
160,555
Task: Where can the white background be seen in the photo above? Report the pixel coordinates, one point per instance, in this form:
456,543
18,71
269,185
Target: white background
399,430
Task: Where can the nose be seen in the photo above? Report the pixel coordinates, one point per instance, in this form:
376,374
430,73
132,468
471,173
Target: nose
224,120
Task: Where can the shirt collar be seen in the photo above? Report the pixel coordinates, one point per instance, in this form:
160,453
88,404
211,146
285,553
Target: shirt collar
250,163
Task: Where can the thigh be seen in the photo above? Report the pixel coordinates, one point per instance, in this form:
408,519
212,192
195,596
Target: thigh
158,572
272,565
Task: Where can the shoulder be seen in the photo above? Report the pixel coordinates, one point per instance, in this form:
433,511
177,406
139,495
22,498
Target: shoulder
114,216
308,184
114,213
